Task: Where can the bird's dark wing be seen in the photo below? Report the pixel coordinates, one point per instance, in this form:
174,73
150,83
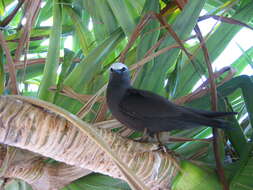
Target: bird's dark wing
141,103
146,109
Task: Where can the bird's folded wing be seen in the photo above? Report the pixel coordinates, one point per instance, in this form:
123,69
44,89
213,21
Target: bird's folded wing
140,103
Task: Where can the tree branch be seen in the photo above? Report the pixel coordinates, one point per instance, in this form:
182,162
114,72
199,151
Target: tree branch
7,20
10,64
42,131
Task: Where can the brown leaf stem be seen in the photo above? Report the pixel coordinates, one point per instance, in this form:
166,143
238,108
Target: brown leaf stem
213,93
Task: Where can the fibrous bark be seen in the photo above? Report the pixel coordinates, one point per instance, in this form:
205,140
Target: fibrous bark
39,130
33,169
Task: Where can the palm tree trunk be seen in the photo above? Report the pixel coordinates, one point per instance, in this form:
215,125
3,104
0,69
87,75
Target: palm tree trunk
41,131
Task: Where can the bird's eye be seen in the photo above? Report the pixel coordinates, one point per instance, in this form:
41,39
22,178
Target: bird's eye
111,69
123,69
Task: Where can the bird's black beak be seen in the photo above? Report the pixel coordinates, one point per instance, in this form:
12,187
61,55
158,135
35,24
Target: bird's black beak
118,71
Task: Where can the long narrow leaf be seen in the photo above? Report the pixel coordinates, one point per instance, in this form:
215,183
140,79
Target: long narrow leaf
123,16
79,29
49,76
183,25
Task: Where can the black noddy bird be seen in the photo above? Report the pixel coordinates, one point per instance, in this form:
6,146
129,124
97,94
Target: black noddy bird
148,112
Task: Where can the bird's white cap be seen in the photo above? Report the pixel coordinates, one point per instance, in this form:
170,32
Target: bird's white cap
118,66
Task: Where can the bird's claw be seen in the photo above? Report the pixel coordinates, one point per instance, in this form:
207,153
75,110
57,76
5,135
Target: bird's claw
164,149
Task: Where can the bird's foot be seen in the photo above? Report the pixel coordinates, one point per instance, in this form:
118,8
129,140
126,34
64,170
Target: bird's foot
144,138
165,149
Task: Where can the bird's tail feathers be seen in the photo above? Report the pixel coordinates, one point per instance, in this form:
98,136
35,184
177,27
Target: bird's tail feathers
210,114
219,114
222,124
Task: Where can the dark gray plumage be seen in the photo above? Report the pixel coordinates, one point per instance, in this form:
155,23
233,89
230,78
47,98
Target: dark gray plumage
140,109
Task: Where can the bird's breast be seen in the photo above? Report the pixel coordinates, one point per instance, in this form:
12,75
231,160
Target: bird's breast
114,96
125,119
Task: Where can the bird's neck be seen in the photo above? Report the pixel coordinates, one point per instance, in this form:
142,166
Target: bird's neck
118,87
120,82
116,90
